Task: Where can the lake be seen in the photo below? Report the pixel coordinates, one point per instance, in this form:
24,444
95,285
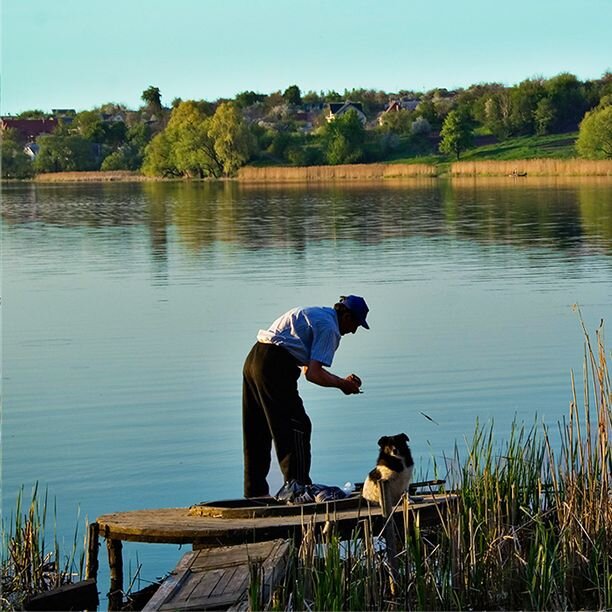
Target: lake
128,310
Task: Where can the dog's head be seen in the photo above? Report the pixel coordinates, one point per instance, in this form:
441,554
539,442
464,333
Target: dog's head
396,446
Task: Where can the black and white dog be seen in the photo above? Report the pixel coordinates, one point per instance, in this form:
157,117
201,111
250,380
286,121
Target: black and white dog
394,465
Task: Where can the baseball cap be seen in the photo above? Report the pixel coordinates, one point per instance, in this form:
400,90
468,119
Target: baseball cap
358,307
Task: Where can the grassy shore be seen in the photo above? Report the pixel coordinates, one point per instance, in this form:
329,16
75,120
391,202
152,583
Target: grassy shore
552,155
532,529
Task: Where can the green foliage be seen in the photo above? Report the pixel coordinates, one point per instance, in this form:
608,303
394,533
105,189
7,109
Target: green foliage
248,98
15,163
62,151
32,114
293,95
567,96
427,110
344,139
595,136
28,565
544,116
457,133
152,98
233,142
524,100
159,159
397,122
89,125
197,145
184,148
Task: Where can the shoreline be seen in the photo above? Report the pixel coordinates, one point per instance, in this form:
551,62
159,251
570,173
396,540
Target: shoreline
363,172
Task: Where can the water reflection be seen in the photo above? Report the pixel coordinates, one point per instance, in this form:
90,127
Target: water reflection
566,214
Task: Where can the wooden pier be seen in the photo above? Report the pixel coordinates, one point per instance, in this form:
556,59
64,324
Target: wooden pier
240,522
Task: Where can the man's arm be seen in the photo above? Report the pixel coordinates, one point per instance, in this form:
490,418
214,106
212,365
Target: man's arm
317,374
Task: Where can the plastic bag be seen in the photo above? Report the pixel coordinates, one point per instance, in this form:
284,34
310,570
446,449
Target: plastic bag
293,492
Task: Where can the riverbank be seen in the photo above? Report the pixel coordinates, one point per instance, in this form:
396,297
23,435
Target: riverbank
370,172
514,168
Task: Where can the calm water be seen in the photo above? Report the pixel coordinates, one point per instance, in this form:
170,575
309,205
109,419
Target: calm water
128,311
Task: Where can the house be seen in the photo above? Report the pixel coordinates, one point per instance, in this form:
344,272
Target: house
64,115
113,117
337,109
28,130
409,103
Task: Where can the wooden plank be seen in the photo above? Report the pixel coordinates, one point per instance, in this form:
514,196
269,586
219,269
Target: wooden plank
175,525
171,583
93,545
199,584
115,562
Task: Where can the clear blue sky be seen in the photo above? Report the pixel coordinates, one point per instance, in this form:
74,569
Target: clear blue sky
83,53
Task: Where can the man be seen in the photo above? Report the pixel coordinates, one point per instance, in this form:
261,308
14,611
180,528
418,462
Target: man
272,409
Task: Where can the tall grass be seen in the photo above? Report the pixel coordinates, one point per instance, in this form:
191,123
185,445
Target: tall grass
531,530
330,173
29,564
533,167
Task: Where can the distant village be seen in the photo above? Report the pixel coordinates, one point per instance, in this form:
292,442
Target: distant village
185,139
307,116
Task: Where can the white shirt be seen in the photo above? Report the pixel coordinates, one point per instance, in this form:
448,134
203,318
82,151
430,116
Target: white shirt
306,333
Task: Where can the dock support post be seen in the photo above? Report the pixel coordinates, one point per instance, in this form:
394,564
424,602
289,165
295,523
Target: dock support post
390,535
115,562
93,545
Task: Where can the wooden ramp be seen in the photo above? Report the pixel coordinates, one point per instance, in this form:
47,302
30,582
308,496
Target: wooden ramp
219,578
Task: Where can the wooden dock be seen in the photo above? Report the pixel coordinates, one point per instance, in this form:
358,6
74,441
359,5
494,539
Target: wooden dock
219,578
205,528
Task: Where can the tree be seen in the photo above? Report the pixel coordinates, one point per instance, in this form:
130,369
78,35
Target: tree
32,114
344,139
420,127
247,98
293,95
90,125
497,111
233,141
544,116
152,98
457,133
397,122
159,158
595,135
15,163
64,152
568,99
185,147
524,102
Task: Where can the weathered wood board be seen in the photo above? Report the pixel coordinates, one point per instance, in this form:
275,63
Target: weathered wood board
179,526
219,578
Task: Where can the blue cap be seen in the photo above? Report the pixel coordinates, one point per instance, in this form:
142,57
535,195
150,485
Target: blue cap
358,307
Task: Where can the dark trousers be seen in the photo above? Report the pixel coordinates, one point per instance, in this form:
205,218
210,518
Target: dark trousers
272,410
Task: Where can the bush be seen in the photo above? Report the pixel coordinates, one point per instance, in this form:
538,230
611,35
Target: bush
595,136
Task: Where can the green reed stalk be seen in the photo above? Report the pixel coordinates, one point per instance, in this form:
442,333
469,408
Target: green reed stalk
27,567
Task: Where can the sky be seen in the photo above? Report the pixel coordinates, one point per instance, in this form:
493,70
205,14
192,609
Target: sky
83,53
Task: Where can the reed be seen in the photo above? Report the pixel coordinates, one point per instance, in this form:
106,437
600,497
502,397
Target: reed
532,528
91,177
28,564
271,174
533,167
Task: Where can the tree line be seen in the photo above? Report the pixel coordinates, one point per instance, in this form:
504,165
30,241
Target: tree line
199,139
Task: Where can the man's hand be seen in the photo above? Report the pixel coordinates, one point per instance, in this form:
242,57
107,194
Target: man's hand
316,373
350,385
